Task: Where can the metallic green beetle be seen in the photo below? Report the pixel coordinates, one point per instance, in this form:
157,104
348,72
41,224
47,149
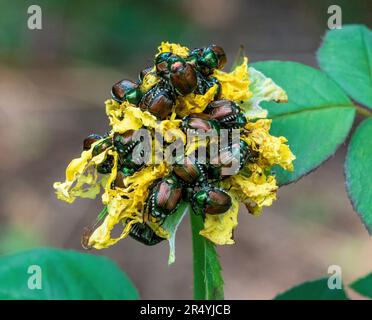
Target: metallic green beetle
144,234
164,197
233,157
211,200
126,90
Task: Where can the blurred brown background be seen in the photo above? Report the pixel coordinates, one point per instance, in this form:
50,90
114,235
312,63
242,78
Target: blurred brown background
53,83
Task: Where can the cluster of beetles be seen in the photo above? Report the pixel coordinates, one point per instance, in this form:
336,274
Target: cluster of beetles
189,180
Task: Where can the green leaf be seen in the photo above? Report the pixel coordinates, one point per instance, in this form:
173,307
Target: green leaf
171,224
208,281
313,290
346,55
358,172
65,274
316,119
363,286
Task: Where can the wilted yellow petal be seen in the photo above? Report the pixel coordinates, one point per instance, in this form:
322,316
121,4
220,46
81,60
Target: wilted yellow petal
127,205
78,165
101,237
170,129
272,150
126,117
256,190
149,80
195,103
235,85
286,157
175,48
81,177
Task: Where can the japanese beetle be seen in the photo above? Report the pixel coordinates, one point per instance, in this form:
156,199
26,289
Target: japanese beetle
161,63
210,200
143,73
158,100
129,163
221,109
189,170
123,142
235,122
164,197
200,122
227,112
235,156
205,83
126,168
194,57
180,74
126,90
212,57
89,140
144,234
101,147
106,166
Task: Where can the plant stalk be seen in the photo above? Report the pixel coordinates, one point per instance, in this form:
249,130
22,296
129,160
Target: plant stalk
208,281
198,257
363,112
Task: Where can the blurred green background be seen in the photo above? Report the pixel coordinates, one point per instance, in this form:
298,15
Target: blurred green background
53,83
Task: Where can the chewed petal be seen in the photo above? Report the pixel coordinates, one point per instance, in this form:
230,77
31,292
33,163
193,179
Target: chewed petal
175,48
101,237
170,129
219,228
127,117
195,103
150,80
255,191
81,177
78,165
127,205
272,150
235,85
